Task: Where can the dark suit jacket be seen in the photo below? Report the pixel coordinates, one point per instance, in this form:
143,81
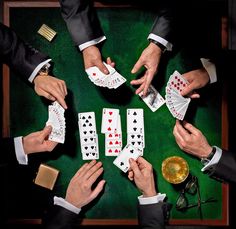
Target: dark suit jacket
8,155
149,216
225,169
23,59
83,24
20,56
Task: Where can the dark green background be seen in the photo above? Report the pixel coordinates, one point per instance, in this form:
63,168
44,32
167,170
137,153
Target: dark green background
126,31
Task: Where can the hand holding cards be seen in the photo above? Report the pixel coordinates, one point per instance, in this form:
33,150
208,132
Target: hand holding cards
112,81
56,119
176,103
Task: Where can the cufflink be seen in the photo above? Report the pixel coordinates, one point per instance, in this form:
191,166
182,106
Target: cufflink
46,176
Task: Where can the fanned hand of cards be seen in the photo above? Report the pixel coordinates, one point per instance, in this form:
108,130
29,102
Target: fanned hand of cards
176,103
112,81
56,119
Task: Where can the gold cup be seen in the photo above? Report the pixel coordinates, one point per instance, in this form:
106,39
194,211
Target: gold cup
175,169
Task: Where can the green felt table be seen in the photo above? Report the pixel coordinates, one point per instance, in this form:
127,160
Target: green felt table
126,30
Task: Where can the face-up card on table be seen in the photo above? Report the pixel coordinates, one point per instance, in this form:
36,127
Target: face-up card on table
109,120
135,121
153,99
87,124
122,160
56,119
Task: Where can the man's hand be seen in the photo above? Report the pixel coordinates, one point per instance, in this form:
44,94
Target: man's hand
79,192
191,140
150,59
92,57
51,88
38,141
197,79
142,174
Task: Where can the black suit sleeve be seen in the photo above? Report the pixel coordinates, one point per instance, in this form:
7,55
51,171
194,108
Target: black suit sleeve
59,218
8,155
153,215
225,169
20,56
81,20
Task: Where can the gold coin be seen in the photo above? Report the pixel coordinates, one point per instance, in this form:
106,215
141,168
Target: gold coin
175,169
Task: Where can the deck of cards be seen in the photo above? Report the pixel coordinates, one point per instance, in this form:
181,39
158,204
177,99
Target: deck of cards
153,99
112,81
56,119
88,136
176,103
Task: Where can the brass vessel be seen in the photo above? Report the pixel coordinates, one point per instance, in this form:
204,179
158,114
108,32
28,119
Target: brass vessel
175,169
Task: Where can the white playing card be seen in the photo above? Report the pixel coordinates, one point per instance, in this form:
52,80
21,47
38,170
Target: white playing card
177,81
153,99
122,160
109,120
87,124
135,121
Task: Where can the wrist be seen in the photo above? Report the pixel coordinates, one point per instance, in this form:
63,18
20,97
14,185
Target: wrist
44,70
210,155
158,44
149,193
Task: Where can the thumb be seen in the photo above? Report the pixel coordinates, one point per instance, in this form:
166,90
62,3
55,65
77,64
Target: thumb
102,67
189,88
45,132
137,66
134,167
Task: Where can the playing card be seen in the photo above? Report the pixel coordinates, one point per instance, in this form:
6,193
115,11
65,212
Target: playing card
122,160
109,120
177,82
135,121
112,80
56,119
153,99
87,124
136,140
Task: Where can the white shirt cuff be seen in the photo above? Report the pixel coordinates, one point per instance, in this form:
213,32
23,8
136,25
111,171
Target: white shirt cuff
63,203
166,43
21,157
92,42
210,68
151,200
36,70
214,160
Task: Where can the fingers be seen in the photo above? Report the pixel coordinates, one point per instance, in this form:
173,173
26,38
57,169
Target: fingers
87,167
148,80
131,175
138,81
97,190
91,170
137,66
47,95
140,89
45,133
195,96
59,95
50,145
110,62
134,167
190,128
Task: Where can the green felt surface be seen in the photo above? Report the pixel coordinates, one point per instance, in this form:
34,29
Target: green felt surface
126,31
